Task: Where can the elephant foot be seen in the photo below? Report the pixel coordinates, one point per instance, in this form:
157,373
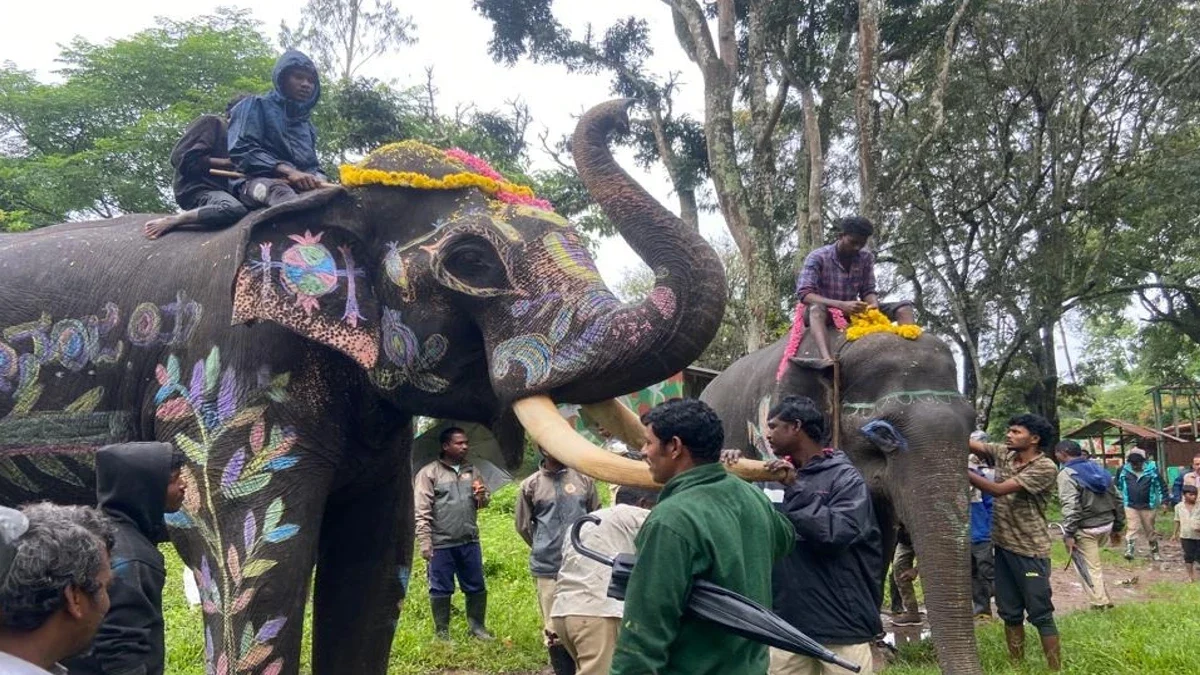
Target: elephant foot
817,364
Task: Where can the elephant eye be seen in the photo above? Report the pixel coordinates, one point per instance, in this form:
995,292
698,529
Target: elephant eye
474,267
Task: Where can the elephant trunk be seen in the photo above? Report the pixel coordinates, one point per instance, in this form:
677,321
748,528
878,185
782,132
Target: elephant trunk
667,331
940,530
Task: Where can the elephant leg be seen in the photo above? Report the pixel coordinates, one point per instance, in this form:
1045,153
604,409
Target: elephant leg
362,571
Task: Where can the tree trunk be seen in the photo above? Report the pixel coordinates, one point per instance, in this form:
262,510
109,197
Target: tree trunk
811,235
864,106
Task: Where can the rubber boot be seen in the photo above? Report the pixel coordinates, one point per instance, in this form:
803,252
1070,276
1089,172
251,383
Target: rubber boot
561,661
1129,549
1154,552
477,615
1053,652
439,606
1014,637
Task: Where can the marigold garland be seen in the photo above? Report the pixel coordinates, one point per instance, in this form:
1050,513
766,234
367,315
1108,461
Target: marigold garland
479,175
875,321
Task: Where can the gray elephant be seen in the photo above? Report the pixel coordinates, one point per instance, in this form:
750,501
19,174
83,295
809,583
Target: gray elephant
915,465
288,355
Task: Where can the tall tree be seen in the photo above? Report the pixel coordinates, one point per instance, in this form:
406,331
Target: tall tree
344,35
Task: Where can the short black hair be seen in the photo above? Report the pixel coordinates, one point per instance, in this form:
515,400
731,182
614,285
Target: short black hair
856,225
448,433
1190,489
1037,425
802,411
694,422
630,496
1069,448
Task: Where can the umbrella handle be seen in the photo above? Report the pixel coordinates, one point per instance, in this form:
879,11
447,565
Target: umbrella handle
583,550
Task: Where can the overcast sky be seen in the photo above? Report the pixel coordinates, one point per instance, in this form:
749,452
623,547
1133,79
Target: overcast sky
452,38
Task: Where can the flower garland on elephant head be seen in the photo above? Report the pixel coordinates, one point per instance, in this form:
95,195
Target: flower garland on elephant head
875,321
476,173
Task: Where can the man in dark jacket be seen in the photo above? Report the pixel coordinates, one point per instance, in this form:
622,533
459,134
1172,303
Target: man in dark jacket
207,200
829,586
448,493
1091,512
1142,491
271,139
136,484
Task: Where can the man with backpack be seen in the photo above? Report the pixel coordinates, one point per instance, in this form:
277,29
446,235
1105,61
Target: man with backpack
1091,512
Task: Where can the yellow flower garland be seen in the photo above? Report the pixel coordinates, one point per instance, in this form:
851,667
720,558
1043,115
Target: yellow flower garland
356,176
874,321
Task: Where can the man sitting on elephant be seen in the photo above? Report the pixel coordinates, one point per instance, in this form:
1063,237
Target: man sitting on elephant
207,200
271,139
841,276
1025,480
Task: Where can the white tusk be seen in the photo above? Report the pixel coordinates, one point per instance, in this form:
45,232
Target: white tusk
619,420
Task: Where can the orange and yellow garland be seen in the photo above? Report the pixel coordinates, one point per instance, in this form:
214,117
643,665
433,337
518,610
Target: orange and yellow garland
874,321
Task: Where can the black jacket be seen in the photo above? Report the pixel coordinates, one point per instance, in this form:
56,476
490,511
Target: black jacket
131,485
204,138
829,586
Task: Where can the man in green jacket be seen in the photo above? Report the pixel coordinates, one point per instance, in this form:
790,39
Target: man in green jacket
707,525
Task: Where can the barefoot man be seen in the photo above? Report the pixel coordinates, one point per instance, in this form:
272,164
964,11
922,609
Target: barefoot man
206,199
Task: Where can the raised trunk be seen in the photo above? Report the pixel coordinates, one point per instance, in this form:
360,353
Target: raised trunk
690,281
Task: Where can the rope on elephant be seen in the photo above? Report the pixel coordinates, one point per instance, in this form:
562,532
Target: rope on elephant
797,335
946,396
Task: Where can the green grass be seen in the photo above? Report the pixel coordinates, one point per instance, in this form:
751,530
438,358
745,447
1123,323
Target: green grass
1158,636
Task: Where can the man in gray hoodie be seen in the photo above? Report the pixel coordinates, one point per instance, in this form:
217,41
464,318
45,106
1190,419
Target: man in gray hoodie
136,485
1091,512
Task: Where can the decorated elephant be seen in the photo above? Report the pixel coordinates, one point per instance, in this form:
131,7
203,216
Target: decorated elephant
915,464
288,355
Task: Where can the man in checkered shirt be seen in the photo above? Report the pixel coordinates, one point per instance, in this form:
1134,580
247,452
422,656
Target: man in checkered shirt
841,276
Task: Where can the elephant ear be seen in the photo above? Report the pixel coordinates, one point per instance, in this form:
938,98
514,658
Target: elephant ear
302,267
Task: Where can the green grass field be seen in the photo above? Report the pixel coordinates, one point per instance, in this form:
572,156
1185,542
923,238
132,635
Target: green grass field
1158,636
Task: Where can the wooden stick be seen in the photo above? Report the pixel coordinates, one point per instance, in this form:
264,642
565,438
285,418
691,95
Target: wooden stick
234,174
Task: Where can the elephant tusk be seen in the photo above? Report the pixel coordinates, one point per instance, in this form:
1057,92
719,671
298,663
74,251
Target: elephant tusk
618,419
548,429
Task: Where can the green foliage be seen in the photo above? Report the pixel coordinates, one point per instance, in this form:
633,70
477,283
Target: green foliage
97,143
343,35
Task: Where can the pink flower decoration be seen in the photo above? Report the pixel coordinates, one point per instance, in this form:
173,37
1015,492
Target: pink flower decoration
480,166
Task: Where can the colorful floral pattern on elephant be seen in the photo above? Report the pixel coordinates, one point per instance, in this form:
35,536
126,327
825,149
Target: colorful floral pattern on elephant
413,361
308,272
233,453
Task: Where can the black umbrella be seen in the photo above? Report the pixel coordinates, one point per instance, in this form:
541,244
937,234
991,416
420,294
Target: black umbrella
727,609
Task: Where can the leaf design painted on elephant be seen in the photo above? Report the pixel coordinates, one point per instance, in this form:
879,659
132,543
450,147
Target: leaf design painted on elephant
235,564
196,386
274,513
212,371
223,665
233,469
14,475
26,397
86,403
175,409
256,655
281,533
257,432
179,520
227,396
245,416
243,600
53,466
191,449
270,630
249,531
160,374
172,370
257,568
275,668
247,486
247,639
191,493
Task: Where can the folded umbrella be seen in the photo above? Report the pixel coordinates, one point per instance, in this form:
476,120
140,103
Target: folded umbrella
708,601
1078,559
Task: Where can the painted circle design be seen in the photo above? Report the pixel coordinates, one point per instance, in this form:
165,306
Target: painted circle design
8,361
308,269
69,339
144,324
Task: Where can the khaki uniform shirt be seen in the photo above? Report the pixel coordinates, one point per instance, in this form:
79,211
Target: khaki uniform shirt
1188,519
1019,519
583,582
